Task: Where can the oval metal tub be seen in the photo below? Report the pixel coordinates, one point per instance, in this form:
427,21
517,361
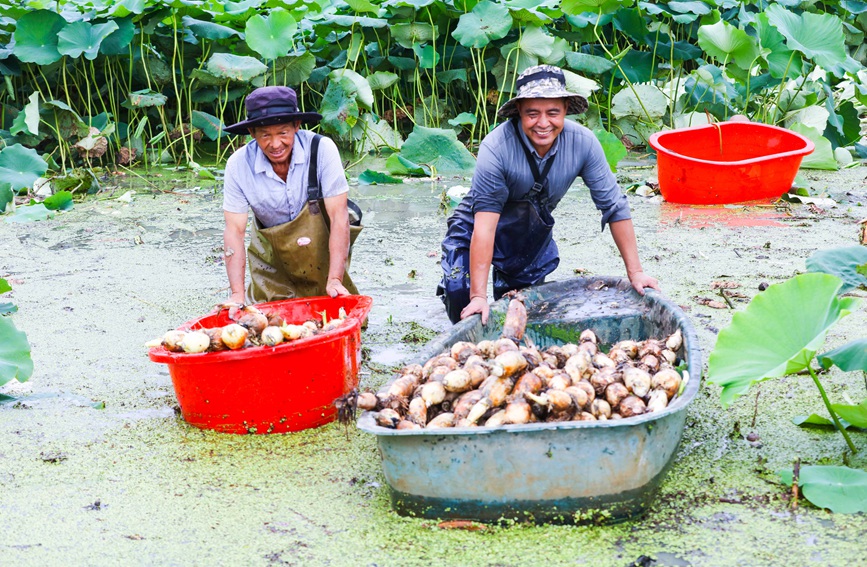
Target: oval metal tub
566,472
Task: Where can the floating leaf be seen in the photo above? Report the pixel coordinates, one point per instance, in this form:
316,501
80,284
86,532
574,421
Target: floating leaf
814,419
20,166
370,177
30,213
778,333
849,357
235,67
440,149
60,201
398,165
271,36
36,37
487,22
839,489
841,262
612,146
81,37
15,361
856,415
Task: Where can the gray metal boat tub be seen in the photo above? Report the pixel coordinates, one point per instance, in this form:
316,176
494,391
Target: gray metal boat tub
566,472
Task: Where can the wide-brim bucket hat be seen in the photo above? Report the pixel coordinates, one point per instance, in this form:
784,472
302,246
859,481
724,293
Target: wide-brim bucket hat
542,81
267,106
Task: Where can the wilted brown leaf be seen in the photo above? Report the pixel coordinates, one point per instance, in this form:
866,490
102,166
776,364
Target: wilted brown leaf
724,285
468,525
711,303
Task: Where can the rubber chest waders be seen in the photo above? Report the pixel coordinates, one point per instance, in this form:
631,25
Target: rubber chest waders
291,259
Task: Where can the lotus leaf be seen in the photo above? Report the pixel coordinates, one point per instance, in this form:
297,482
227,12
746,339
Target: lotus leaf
840,489
81,37
849,357
427,56
402,63
612,146
398,165
645,100
726,42
27,121
843,263
440,149
146,98
463,118
209,30
844,123
363,92
485,23
778,333
696,8
207,123
36,37
376,134
6,196
781,63
350,21
64,121
408,34
60,201
15,361
296,68
272,36
362,6
815,419
235,67
531,12
446,77
206,79
20,166
126,8
30,213
823,155
575,7
586,63
117,42
370,177
818,36
4,286
381,80
339,107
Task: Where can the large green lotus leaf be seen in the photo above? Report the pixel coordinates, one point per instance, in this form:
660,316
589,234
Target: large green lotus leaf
438,148
15,361
6,196
339,107
778,333
818,36
36,37
363,92
271,37
20,166
487,22
117,42
695,8
208,123
842,262
126,8
427,56
773,48
209,30
381,80
823,156
81,37
848,358
644,101
63,121
399,165
463,118
362,6
446,77
146,98
637,66
586,63
535,42
206,79
576,7
235,67
612,146
348,22
376,134
296,68
370,177
726,42
840,489
27,121
844,123
60,201
30,213
530,12
407,34
855,415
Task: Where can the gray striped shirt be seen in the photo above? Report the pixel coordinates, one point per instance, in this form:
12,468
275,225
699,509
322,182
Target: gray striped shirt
502,172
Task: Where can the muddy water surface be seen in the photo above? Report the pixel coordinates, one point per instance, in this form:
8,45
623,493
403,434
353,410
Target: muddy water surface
96,469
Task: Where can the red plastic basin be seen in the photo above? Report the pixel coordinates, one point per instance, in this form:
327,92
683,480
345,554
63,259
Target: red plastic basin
727,162
288,387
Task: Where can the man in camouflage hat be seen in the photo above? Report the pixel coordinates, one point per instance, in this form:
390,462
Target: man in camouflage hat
505,220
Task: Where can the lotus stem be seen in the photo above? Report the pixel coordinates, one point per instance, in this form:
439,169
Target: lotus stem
834,417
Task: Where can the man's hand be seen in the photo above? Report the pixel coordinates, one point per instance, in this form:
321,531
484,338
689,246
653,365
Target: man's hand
477,304
640,280
334,287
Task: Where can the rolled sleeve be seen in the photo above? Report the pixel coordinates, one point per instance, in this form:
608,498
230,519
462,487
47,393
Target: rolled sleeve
604,189
489,189
332,178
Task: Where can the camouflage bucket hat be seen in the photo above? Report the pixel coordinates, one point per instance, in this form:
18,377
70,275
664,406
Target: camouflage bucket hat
542,81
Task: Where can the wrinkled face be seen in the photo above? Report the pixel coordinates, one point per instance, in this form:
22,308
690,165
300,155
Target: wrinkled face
276,141
542,121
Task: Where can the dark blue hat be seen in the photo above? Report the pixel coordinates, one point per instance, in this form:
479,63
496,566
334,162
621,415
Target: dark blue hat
271,105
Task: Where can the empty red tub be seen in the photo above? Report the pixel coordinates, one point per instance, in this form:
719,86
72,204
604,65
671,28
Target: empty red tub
727,162
288,387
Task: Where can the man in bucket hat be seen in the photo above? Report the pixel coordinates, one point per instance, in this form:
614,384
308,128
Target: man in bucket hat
294,182
524,168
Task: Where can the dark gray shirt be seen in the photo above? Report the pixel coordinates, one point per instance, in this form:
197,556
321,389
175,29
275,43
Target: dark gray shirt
502,172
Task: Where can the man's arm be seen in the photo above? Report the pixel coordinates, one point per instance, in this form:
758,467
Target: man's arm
235,253
338,244
481,253
623,233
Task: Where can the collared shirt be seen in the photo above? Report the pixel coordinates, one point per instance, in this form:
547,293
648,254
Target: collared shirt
503,174
250,182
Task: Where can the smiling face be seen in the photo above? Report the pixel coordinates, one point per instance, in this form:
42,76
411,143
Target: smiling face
276,142
542,121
